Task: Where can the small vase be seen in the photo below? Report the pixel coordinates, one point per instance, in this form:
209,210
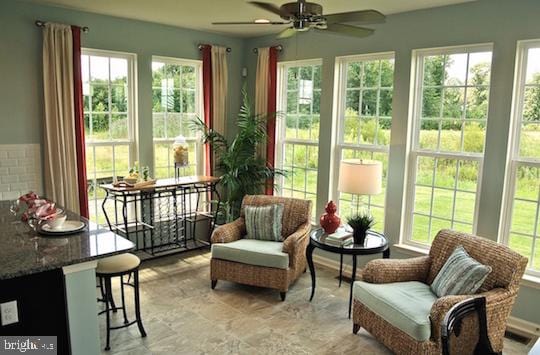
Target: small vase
330,221
359,236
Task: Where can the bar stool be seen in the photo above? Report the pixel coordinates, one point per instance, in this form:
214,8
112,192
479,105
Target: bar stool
119,266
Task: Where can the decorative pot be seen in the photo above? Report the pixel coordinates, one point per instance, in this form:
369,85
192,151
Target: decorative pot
359,236
330,221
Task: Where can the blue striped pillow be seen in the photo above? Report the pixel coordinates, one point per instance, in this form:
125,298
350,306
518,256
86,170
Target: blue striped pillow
264,222
460,275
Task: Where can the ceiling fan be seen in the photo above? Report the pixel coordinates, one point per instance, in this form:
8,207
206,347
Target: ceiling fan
304,16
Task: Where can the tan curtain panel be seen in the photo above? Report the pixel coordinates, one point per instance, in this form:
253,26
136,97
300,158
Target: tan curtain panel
261,90
60,158
220,79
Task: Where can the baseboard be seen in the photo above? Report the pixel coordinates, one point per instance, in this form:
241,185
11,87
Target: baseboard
523,327
516,325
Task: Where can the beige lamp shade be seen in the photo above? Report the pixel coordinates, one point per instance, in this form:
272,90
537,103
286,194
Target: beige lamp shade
360,177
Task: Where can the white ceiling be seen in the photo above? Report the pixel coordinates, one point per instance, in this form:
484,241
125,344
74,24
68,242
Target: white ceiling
198,14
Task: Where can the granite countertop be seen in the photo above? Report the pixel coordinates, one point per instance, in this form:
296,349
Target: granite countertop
23,251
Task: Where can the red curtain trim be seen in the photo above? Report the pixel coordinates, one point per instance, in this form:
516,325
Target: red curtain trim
79,122
271,109
207,102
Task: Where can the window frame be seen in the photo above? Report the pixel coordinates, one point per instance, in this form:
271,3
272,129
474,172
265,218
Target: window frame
514,160
131,141
414,150
280,138
199,104
339,144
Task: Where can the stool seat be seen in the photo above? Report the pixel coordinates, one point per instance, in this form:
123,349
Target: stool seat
117,264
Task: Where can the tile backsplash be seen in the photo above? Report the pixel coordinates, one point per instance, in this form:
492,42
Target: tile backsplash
20,170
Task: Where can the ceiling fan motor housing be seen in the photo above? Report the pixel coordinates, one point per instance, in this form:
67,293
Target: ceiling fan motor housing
304,14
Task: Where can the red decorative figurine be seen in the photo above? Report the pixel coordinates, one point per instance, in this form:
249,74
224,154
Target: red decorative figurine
330,221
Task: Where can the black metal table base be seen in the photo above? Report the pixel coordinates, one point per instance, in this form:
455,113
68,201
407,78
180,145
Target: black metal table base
385,249
162,221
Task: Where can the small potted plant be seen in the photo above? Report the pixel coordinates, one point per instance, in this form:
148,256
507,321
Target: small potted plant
360,223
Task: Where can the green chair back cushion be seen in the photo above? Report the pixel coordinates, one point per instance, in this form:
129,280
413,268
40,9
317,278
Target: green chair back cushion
264,222
460,275
405,305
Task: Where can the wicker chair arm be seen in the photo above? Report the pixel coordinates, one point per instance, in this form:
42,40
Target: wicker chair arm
229,232
396,270
497,301
296,243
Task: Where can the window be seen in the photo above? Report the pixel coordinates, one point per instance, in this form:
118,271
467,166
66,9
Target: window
297,136
109,122
364,121
176,100
450,115
521,227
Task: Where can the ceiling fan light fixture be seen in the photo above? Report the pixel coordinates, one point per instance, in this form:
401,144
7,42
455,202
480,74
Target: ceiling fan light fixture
262,20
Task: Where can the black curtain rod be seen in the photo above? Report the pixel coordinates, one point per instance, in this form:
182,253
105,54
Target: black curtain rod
40,23
279,47
201,46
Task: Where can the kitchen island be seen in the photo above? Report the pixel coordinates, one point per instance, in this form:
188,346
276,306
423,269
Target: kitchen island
52,279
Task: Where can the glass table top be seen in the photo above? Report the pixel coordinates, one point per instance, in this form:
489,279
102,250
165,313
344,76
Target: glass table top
373,241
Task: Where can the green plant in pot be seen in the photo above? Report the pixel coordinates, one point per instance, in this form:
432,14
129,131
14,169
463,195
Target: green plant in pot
360,223
241,170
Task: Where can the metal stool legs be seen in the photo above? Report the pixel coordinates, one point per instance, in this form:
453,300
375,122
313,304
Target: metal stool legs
110,306
137,303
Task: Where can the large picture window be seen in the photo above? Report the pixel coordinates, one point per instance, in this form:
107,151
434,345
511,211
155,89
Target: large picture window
364,123
176,92
109,123
297,134
521,227
451,95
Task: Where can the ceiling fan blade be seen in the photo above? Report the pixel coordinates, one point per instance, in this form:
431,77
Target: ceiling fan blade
252,23
348,30
365,16
272,8
286,33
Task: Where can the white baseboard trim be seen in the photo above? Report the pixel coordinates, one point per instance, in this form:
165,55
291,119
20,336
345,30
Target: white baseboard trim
516,325
523,327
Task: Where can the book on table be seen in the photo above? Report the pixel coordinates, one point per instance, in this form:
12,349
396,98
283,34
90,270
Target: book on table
339,235
339,238
340,243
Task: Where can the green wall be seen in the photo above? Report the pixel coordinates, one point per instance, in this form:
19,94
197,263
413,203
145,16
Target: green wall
501,22
21,97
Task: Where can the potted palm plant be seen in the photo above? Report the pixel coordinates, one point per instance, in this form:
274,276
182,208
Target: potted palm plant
241,170
360,223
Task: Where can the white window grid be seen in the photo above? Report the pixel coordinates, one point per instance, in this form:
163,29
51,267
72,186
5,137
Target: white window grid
310,144
416,152
95,177
195,166
517,161
358,149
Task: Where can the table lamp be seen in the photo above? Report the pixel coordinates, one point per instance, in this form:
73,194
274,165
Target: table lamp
360,177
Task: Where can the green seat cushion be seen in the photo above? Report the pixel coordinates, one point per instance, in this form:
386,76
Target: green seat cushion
405,305
252,252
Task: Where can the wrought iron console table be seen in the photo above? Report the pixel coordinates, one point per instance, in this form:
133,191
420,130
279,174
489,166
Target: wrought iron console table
162,218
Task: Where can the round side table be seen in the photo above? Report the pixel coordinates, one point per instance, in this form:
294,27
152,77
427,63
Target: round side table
375,243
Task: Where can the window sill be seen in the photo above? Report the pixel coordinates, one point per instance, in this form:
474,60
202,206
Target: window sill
411,249
527,280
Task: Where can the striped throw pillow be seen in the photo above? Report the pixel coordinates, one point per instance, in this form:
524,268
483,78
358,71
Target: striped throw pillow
264,222
460,275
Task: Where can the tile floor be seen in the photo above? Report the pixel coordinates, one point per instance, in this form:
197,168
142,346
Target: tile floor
182,315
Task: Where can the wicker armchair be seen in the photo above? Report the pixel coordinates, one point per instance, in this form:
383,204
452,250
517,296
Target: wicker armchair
499,289
295,233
